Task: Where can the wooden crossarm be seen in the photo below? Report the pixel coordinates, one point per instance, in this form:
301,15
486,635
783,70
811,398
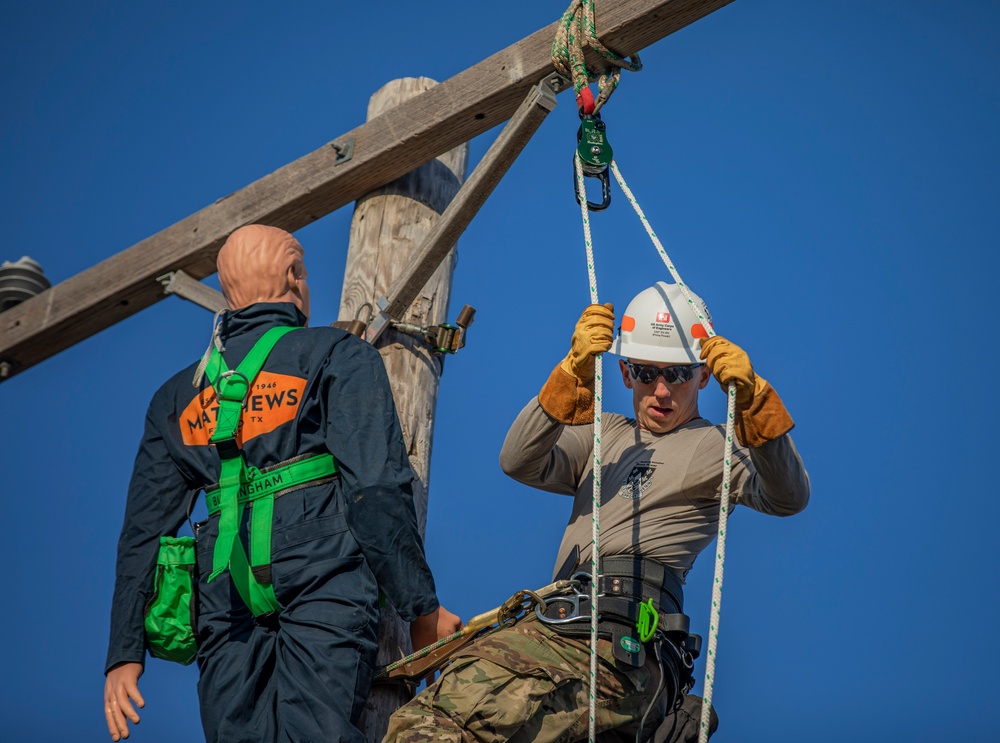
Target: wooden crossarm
385,148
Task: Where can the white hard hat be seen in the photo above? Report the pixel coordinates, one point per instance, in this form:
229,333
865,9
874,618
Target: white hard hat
660,325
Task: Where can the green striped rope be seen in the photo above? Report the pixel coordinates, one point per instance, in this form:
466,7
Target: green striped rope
720,552
595,538
577,24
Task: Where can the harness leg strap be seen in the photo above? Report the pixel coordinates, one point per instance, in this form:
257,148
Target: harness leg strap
229,516
261,600
261,518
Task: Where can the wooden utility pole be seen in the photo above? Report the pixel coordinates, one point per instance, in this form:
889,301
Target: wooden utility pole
370,156
387,230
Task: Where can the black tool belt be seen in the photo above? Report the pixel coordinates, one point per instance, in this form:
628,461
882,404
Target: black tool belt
624,584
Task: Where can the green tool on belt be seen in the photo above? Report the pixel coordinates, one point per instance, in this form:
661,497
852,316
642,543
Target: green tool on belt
649,619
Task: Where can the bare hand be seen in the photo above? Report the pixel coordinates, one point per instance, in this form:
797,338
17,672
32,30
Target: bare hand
430,628
121,688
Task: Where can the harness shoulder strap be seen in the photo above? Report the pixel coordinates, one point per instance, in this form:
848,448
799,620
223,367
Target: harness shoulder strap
232,389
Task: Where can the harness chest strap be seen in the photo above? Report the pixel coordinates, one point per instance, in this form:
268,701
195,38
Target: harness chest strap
261,487
276,480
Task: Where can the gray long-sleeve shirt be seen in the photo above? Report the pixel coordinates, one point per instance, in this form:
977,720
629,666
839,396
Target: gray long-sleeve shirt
659,492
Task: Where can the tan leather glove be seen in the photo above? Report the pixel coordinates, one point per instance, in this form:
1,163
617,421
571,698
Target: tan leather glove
568,395
594,334
729,363
760,414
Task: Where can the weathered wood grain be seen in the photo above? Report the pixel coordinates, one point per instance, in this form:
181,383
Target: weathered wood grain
467,202
387,230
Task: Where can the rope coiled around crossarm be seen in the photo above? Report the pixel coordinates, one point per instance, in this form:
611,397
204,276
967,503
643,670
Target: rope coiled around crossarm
579,22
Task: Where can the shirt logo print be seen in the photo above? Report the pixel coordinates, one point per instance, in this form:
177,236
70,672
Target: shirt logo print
637,481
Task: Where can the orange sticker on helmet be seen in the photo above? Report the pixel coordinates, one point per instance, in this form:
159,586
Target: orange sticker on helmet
628,324
273,400
698,331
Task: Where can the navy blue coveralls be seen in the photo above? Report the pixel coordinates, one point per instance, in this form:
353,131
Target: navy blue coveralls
305,676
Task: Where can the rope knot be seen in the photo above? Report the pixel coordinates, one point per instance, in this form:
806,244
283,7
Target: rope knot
578,23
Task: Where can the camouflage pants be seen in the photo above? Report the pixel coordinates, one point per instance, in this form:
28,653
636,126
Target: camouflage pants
529,683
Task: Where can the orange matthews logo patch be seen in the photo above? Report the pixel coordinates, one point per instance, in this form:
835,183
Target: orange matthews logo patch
273,400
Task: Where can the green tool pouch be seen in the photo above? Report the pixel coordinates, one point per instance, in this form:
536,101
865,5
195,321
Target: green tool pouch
170,614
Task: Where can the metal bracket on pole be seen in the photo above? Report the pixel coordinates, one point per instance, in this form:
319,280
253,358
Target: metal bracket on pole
189,288
344,148
467,202
443,338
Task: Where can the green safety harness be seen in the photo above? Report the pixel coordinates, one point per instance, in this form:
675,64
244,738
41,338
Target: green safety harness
241,484
169,620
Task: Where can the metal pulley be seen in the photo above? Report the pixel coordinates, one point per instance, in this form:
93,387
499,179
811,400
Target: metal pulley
443,338
595,155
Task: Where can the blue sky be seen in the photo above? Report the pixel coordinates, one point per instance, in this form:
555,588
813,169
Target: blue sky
823,175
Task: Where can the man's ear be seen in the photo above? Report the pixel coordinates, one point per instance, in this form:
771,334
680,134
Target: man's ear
626,377
705,376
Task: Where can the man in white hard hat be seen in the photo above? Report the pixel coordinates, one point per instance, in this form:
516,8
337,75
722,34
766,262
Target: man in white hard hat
661,482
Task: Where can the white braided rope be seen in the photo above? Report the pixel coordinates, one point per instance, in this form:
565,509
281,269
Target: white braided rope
720,551
595,535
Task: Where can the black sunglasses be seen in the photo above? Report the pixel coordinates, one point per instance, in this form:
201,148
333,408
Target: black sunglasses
647,374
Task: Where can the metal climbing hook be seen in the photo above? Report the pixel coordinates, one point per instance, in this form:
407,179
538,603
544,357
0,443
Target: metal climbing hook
595,155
